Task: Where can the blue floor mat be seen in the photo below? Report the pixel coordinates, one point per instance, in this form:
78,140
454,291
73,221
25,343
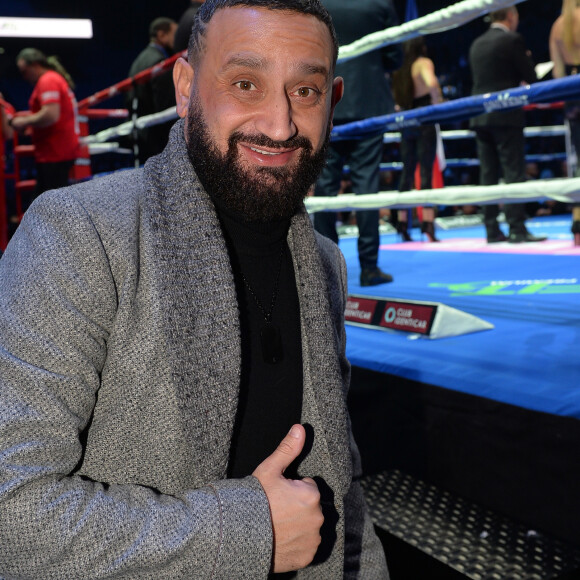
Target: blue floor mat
529,292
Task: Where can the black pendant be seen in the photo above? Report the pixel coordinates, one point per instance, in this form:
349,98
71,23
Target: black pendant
271,343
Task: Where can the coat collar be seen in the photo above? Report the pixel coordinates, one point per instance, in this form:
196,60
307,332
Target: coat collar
198,303
321,311
201,317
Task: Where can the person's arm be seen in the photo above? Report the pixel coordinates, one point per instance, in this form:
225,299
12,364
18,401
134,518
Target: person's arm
58,305
427,72
48,115
559,70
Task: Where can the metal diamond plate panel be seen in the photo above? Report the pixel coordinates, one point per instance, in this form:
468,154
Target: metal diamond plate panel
473,540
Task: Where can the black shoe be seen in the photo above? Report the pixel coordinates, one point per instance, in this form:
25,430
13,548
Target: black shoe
499,237
374,277
402,230
525,237
428,228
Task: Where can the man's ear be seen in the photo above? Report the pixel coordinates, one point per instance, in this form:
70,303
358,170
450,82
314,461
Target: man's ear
182,79
337,92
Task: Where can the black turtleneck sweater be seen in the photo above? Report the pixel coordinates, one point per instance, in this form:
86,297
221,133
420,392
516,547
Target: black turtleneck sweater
270,393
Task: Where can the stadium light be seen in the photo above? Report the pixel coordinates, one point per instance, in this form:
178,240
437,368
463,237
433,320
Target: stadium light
45,27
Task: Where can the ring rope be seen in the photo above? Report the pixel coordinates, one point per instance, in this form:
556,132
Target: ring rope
438,21
533,158
460,109
126,128
566,190
543,131
113,147
389,137
128,83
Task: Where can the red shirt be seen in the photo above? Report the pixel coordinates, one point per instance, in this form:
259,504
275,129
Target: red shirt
60,141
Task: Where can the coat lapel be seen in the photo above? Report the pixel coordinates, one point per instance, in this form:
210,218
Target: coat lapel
200,317
324,399
199,306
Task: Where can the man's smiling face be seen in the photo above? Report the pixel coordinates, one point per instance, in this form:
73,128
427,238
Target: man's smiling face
259,111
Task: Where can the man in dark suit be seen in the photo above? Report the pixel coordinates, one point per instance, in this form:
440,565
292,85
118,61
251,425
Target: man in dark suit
499,60
367,94
158,94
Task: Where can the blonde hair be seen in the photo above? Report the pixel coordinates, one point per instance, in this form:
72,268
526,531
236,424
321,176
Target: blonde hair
568,10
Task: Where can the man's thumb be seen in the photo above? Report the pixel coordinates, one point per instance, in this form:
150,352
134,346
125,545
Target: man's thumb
288,450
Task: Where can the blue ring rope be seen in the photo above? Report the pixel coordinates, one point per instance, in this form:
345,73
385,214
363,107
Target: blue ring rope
543,92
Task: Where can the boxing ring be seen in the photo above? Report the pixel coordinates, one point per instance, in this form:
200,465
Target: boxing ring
492,416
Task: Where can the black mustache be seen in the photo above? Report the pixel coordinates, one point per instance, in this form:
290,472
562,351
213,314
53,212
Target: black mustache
298,141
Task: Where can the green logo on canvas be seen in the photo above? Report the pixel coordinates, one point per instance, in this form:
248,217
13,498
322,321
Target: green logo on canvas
511,287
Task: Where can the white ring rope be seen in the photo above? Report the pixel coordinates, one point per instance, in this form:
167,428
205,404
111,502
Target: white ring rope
126,128
438,21
100,148
474,162
566,190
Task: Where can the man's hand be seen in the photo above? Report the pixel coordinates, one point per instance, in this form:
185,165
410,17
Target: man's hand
294,505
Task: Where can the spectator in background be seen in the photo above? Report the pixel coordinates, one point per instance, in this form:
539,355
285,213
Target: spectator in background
158,94
184,27
367,94
415,85
565,54
53,119
499,60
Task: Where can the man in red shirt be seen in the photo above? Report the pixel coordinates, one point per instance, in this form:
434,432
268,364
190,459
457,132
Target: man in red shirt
53,119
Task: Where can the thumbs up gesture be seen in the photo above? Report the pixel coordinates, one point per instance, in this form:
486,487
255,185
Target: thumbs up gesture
294,505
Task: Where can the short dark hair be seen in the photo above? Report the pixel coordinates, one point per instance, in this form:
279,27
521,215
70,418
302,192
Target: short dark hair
502,14
210,7
161,24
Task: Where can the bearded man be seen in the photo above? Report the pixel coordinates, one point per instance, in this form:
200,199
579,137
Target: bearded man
173,376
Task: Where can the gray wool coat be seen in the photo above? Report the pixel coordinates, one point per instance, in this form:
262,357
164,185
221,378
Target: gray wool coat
119,374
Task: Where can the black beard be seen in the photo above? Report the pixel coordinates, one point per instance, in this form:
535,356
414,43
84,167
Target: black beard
264,194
